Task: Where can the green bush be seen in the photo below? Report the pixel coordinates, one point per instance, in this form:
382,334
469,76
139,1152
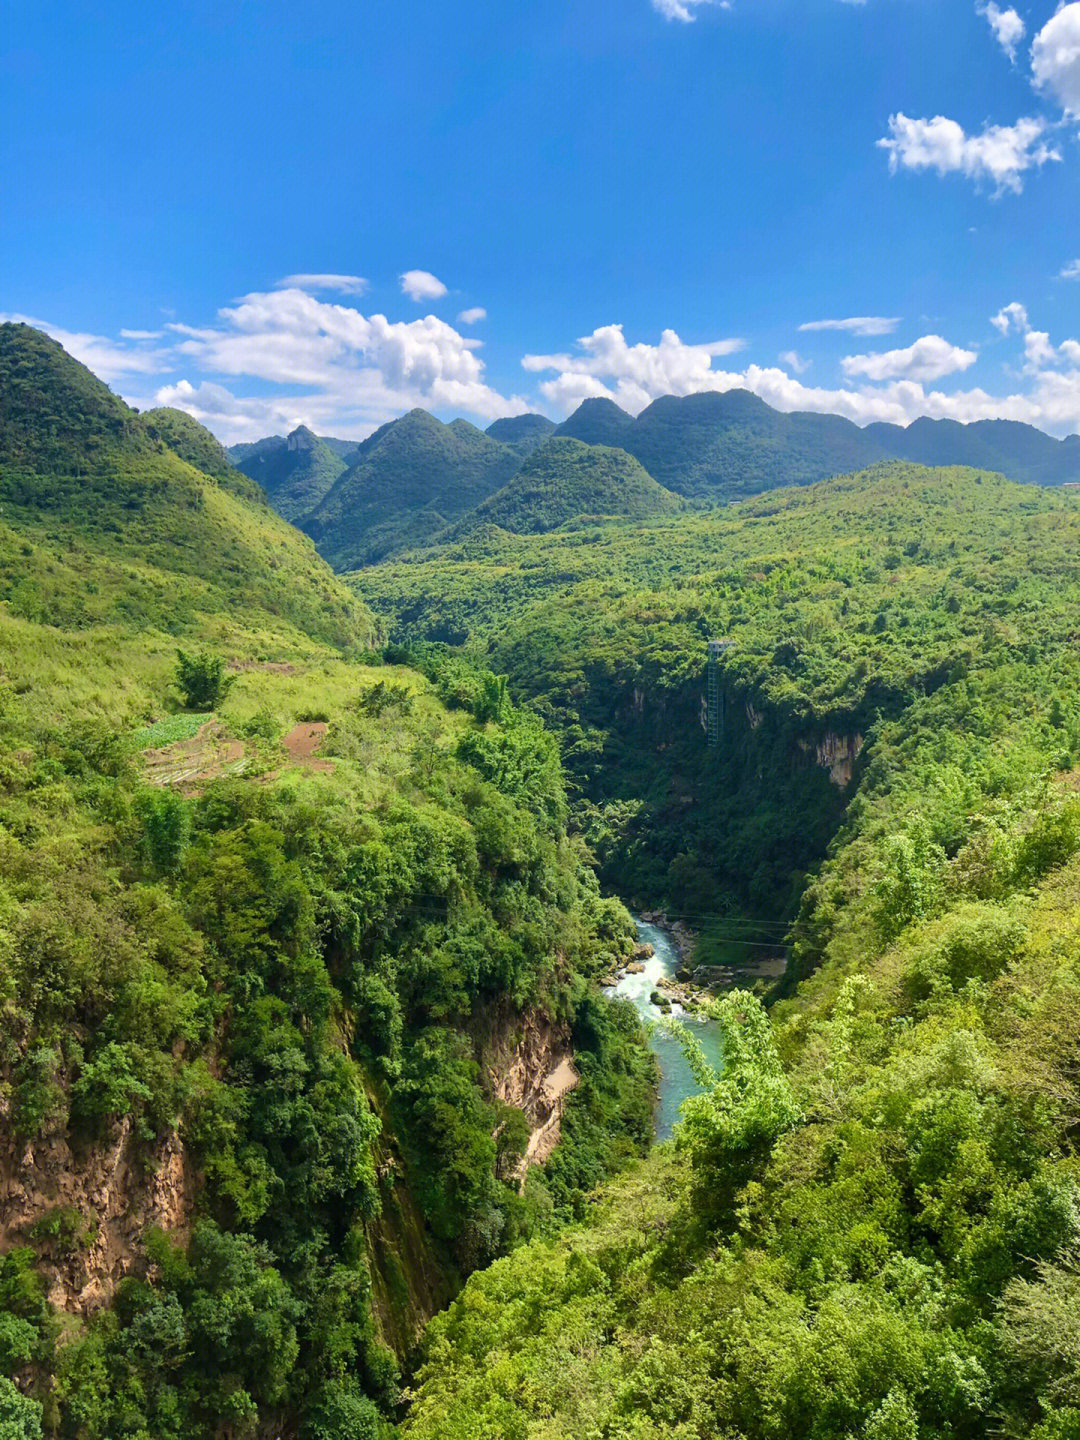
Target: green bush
202,680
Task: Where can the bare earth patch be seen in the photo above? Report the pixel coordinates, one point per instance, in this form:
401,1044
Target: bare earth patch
301,743
190,764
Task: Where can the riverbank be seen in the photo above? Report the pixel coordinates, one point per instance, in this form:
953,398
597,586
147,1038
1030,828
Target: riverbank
646,980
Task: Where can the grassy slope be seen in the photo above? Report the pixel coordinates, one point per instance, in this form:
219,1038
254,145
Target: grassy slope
203,451
105,523
893,1256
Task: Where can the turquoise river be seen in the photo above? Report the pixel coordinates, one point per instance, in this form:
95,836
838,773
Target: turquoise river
676,1078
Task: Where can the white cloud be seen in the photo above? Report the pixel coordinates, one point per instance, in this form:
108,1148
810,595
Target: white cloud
1007,26
1055,58
1012,317
421,285
1001,154
1040,354
473,316
141,334
857,325
642,372
685,9
108,359
235,418
333,365
794,361
1070,271
930,358
340,284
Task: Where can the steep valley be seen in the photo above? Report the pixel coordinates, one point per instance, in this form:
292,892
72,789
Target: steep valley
320,1120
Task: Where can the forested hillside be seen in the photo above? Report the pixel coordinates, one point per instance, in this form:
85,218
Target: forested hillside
524,431
418,482
846,602
295,471
405,483
563,480
868,1226
727,446
290,941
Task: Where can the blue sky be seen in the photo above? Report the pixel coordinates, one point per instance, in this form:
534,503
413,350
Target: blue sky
269,213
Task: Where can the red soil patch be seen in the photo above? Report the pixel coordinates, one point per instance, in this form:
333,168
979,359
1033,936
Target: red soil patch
191,764
301,743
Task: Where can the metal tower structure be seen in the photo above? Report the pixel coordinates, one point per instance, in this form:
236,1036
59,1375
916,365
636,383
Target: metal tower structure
714,709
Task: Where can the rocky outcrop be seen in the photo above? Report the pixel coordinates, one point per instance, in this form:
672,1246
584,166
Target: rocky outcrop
85,1213
837,754
529,1062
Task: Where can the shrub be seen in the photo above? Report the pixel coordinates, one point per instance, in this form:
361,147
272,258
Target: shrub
20,1417
202,680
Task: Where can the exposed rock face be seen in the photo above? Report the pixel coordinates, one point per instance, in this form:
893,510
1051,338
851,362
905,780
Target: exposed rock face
530,1065
837,754
117,1191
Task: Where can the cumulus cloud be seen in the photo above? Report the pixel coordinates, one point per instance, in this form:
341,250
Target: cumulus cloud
473,316
633,376
857,325
930,358
1012,317
108,359
339,284
641,372
1055,58
1070,271
420,285
1040,354
359,370
1000,154
1007,26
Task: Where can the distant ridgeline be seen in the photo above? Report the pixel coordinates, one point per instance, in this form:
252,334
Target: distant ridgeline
417,481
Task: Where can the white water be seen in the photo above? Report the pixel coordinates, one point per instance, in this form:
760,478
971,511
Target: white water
676,1078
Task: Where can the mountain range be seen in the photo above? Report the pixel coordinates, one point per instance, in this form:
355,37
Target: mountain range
417,480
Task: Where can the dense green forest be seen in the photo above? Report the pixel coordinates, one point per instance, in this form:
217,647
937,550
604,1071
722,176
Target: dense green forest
727,446
295,470
563,480
846,603
868,1225
404,484
417,481
273,917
